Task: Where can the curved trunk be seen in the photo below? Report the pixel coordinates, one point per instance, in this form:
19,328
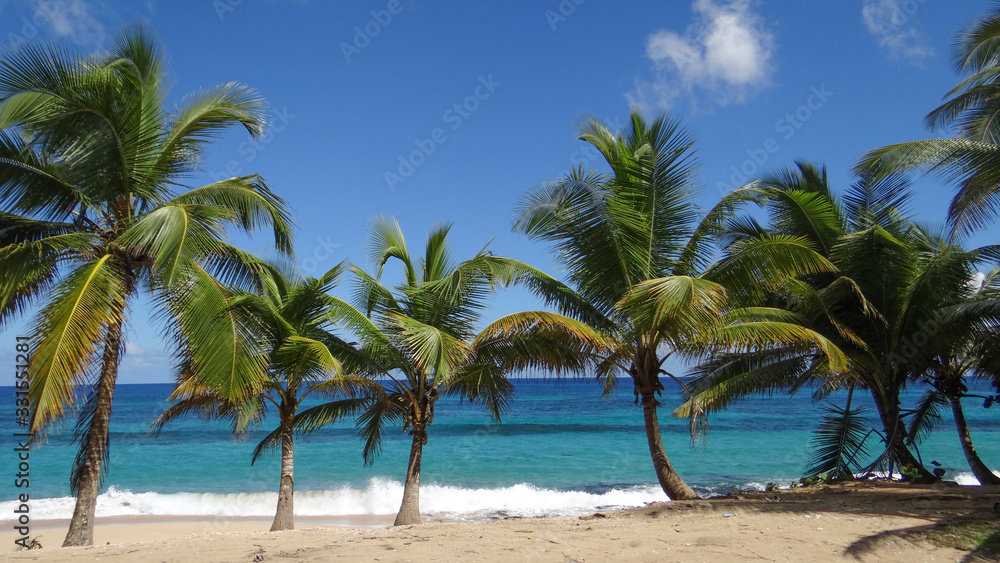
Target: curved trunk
670,481
284,516
979,469
409,510
81,526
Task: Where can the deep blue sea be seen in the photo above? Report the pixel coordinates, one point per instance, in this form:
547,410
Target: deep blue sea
562,449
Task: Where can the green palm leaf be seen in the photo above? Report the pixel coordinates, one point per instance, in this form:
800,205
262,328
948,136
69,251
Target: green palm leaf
838,443
70,327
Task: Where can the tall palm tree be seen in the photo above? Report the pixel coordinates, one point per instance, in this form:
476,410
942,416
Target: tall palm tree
633,247
972,158
423,338
293,320
90,160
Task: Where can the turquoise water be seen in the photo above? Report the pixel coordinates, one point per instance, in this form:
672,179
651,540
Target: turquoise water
562,449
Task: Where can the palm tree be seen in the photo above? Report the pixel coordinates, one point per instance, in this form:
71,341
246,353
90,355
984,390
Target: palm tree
871,313
293,322
972,158
89,163
633,247
423,338
964,345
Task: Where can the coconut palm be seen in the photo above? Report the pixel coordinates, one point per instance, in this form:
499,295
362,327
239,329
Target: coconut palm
633,247
871,313
963,345
424,338
971,159
90,163
293,320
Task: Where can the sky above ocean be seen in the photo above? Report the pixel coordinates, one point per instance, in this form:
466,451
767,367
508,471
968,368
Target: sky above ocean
448,111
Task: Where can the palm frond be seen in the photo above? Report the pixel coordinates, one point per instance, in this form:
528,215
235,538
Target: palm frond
484,384
82,435
925,415
838,443
69,329
383,411
314,418
267,445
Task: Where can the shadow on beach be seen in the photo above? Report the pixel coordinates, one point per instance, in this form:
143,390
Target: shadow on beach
947,507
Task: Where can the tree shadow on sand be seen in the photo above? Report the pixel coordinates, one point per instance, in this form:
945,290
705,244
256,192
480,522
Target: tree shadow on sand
960,517
948,532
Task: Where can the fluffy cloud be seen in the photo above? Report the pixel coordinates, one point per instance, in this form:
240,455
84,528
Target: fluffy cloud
890,22
72,20
726,52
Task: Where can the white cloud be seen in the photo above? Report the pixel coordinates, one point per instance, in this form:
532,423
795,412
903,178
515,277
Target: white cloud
73,20
726,52
977,281
133,349
890,22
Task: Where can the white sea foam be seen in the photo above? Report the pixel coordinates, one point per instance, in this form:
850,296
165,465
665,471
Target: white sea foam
381,496
967,478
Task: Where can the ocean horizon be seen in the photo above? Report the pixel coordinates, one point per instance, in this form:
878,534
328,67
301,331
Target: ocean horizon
561,450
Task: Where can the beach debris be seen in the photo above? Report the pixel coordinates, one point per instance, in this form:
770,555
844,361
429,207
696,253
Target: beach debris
259,556
728,514
594,515
33,543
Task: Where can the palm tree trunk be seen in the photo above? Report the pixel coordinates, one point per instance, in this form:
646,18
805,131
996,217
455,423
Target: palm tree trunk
979,469
895,432
284,516
81,526
409,510
670,481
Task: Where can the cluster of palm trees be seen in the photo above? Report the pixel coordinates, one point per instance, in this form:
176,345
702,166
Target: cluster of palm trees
829,291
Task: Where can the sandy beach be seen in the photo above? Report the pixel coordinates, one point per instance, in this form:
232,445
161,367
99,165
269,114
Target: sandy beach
853,522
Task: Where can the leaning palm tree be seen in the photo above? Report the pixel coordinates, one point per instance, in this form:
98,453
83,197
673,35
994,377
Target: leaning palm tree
964,344
294,322
90,160
634,248
422,336
971,159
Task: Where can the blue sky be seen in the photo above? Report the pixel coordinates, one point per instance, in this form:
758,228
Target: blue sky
448,111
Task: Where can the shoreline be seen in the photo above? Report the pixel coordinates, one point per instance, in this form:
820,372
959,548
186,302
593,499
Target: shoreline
863,521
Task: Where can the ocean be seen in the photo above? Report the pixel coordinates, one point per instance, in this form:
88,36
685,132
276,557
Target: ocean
561,450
